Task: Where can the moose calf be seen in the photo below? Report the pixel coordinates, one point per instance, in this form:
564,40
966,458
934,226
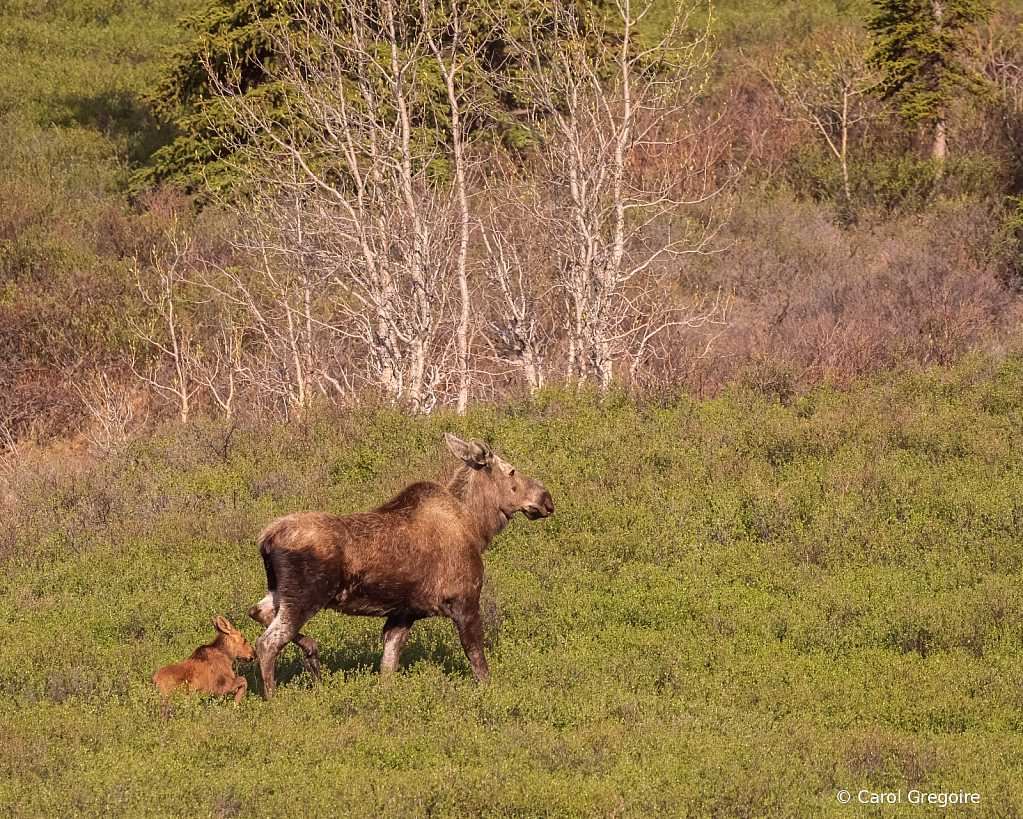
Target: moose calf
211,667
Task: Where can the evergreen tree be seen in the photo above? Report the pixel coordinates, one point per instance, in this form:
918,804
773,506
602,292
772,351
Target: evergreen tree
229,36
920,47
232,44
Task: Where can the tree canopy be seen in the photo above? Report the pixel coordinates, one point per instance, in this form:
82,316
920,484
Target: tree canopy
920,48
230,37
232,43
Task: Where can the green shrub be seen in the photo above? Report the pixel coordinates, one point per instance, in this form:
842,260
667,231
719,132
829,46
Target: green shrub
738,607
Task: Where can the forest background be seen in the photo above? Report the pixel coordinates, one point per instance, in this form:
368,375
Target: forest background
784,561
153,264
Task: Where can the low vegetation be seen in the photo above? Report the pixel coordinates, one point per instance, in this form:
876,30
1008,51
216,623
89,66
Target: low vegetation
835,247
739,608
784,561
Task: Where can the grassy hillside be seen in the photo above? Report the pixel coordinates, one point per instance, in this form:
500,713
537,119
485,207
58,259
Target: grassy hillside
738,609
743,605
73,125
923,266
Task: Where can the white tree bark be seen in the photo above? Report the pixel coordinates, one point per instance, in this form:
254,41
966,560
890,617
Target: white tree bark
602,104
342,195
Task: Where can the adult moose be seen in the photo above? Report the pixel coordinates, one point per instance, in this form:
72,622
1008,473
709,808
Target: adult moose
418,555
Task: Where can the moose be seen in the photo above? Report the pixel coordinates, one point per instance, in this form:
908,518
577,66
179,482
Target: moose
211,667
418,555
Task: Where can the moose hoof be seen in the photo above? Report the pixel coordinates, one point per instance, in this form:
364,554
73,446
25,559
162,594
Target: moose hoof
311,661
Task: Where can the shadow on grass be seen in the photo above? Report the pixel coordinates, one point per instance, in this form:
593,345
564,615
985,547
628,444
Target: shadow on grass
118,113
359,655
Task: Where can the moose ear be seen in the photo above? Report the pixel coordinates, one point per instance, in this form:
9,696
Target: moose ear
458,447
480,453
473,453
222,624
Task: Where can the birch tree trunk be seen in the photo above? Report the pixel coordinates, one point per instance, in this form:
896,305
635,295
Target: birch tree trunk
349,162
601,102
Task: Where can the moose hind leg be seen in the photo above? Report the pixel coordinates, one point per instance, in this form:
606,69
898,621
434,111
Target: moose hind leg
396,631
264,613
283,630
470,632
268,646
310,654
265,610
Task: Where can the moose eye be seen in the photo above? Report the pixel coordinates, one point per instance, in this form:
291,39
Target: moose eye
512,473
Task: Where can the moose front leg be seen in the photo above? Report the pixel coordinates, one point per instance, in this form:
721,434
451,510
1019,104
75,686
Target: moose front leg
396,631
470,632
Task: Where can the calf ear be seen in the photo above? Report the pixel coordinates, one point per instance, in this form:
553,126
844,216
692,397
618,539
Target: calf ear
223,625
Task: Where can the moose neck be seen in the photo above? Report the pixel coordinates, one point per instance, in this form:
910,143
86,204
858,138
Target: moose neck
470,487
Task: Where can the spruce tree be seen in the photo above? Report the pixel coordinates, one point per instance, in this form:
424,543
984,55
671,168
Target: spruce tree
233,38
920,48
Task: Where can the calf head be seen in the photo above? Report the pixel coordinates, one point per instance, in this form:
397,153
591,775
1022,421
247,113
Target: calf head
231,641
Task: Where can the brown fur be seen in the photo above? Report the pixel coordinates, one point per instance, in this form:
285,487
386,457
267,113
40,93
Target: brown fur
211,667
418,555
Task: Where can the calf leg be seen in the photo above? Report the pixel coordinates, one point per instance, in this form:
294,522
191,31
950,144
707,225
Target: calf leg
264,612
396,631
242,685
470,632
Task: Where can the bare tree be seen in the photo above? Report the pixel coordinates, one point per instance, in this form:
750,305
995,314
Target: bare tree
10,454
111,413
173,341
605,106
518,300
347,199
279,305
219,366
829,88
1001,62
453,58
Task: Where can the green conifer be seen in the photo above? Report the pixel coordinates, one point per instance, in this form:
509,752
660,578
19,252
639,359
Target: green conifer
920,47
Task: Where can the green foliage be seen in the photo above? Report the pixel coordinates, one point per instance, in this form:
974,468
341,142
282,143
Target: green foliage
921,46
750,24
888,182
57,178
235,40
1010,241
72,124
83,64
738,608
234,43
